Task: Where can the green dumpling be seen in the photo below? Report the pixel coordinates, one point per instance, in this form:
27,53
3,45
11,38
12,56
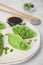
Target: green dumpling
2,25
24,31
17,42
1,44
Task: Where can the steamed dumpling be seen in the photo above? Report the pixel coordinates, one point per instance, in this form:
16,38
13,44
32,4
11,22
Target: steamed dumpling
2,25
17,42
23,31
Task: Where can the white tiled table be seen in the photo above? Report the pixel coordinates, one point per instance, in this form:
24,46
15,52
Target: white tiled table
18,4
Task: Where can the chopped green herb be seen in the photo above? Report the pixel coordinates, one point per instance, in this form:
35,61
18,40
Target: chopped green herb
11,50
35,39
29,5
32,5
6,34
30,40
6,49
22,23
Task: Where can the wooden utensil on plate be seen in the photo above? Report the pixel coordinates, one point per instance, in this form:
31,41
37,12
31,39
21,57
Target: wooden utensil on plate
21,14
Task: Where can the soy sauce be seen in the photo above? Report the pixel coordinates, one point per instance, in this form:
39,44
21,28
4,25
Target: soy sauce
14,20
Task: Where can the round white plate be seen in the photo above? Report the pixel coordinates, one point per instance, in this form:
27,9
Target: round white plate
18,56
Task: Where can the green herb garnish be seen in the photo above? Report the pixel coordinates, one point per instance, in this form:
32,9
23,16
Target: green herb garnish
22,23
11,50
6,49
30,40
35,39
29,5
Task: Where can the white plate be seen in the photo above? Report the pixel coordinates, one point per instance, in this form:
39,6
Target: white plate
18,56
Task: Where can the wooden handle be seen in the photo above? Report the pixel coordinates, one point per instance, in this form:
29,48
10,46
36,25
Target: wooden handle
20,13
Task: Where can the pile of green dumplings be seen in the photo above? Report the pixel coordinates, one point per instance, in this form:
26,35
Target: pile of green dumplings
17,40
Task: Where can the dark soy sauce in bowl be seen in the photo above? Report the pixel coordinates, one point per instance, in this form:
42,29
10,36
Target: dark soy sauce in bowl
14,20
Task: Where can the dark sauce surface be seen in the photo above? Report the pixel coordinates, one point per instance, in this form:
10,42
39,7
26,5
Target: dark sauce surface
14,20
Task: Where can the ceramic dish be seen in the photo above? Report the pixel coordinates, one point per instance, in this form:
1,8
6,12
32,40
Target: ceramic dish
18,56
